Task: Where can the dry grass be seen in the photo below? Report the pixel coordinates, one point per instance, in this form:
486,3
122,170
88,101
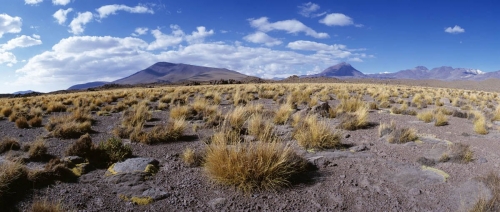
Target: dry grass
492,182
37,149
402,135
386,129
262,129
170,132
7,144
354,121
191,157
459,153
252,166
426,116
22,123
11,175
35,121
283,114
237,118
6,112
316,134
350,105
115,150
66,126
480,123
46,206
440,119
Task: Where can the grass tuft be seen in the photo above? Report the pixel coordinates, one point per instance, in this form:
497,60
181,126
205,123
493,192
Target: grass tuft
316,134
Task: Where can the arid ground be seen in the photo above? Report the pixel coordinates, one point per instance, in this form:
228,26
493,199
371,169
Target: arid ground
338,146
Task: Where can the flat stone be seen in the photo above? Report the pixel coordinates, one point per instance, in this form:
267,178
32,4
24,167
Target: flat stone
131,165
155,193
74,159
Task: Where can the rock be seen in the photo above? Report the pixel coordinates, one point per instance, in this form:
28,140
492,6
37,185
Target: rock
359,148
217,204
321,109
74,159
315,160
131,165
482,160
155,193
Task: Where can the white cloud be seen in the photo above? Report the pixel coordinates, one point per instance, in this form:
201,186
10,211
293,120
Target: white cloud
307,8
355,59
455,30
7,57
336,50
290,26
78,23
262,38
359,25
22,42
163,41
32,2
60,2
107,10
80,59
199,35
336,19
61,15
9,24
140,31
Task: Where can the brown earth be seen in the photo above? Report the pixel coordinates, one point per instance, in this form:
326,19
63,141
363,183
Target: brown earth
370,174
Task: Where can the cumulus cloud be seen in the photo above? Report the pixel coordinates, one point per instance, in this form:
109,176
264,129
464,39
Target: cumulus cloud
60,2
7,57
262,38
32,2
9,24
336,19
80,59
21,42
307,8
164,41
336,50
61,15
455,30
107,10
77,25
199,35
290,26
140,31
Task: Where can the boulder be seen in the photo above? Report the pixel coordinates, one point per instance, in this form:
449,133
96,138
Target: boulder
131,165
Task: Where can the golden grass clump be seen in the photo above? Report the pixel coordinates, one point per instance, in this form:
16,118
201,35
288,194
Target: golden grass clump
425,116
7,144
22,123
283,114
253,166
386,129
313,133
440,119
68,126
179,112
496,114
172,131
402,135
491,181
56,107
38,149
6,112
350,105
262,129
35,121
12,174
46,206
191,157
459,153
356,120
480,123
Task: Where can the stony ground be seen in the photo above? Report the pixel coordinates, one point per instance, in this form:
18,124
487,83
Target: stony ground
369,174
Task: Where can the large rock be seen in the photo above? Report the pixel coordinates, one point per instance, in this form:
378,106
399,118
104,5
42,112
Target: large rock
129,180
131,165
321,109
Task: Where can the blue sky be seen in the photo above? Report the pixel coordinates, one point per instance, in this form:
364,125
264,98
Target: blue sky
48,45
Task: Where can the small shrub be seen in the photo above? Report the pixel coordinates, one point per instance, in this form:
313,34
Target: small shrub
7,144
480,123
237,117
38,149
253,166
459,153
316,134
22,123
6,112
56,107
425,116
402,135
440,119
354,121
191,158
115,149
283,114
46,206
13,178
161,133
35,121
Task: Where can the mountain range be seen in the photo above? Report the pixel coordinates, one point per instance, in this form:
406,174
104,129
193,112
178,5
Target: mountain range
164,72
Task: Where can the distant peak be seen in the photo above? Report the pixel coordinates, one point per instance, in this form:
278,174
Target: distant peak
421,68
344,64
164,64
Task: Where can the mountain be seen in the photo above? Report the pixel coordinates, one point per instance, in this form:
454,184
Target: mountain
87,85
446,73
171,73
25,92
339,70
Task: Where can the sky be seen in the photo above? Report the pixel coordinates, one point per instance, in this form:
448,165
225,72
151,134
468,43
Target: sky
48,45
